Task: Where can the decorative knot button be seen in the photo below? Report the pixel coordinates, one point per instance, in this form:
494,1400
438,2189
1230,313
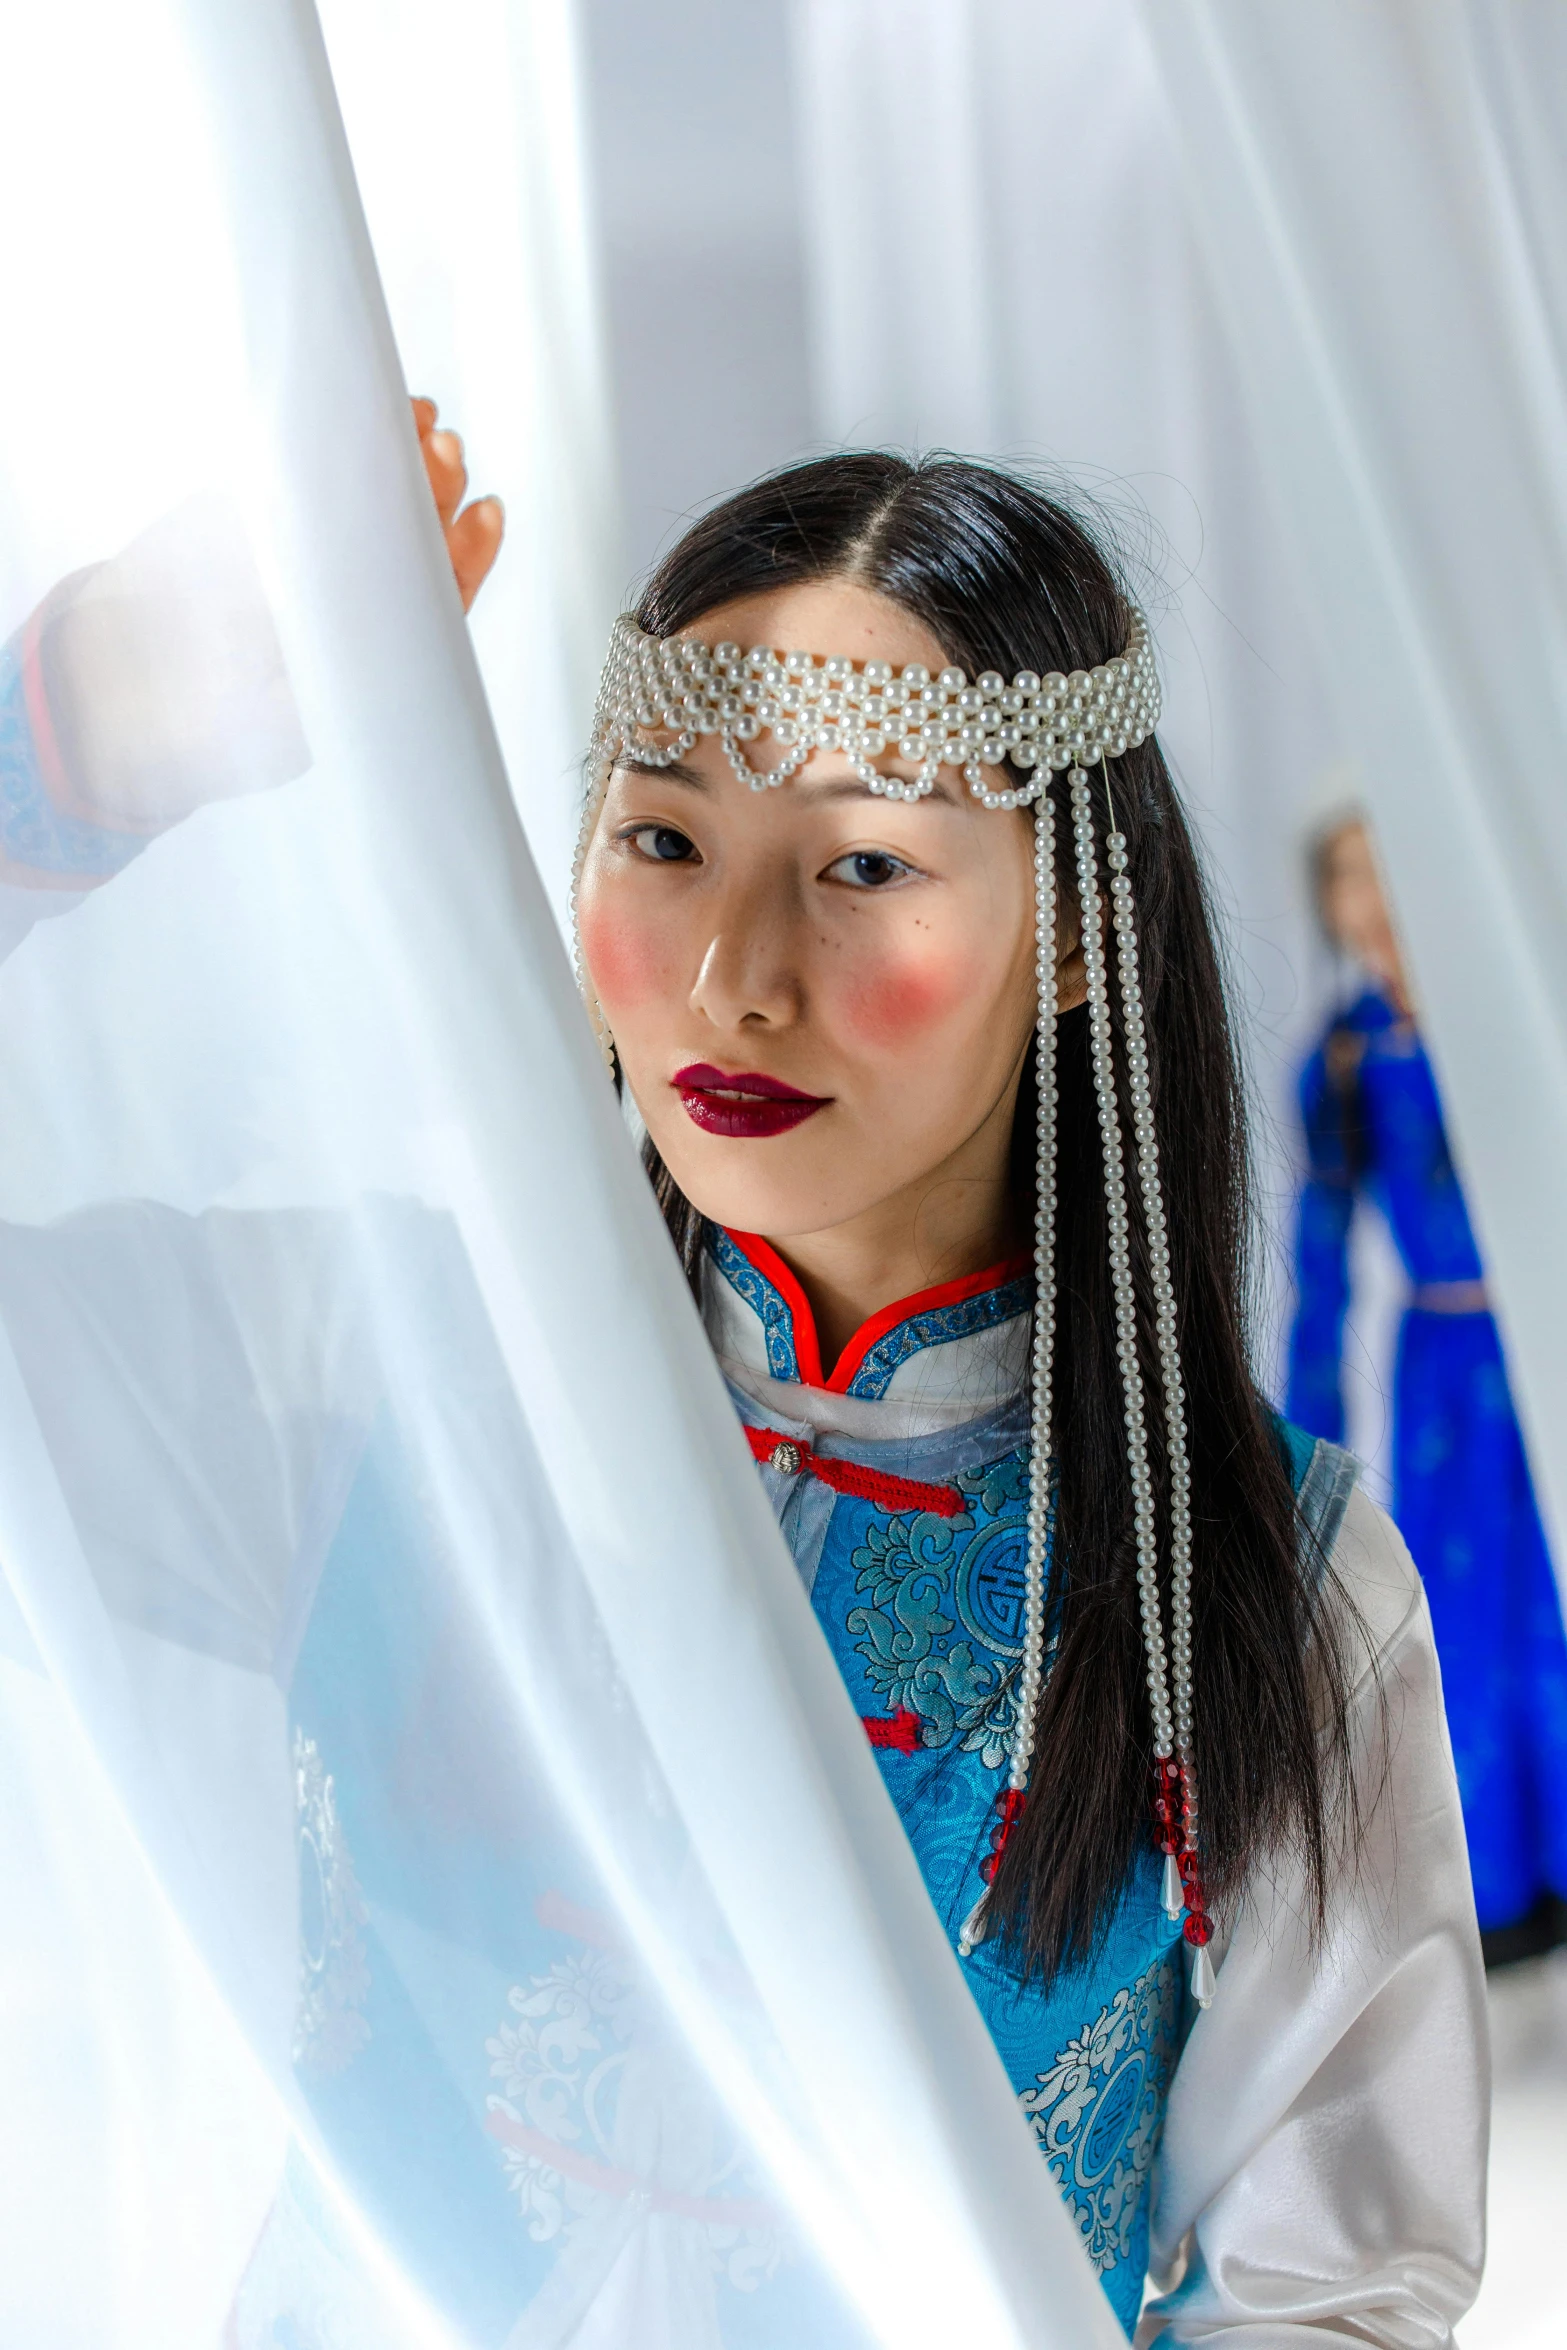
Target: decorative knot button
786,1460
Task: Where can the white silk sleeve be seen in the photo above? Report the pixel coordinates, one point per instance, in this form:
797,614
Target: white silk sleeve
1322,2174
201,1386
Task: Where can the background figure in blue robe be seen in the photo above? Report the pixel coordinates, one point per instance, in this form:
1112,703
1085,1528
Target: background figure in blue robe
1462,1493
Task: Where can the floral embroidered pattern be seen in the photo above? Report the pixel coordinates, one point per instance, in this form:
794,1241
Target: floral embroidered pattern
555,2064
942,1624
1097,2112
596,2108
334,1975
770,1307
940,1327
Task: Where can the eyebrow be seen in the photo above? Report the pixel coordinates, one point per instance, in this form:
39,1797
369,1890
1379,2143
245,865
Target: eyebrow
662,770
849,787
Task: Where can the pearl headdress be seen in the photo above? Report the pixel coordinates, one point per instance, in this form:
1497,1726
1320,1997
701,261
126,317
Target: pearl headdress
685,688
658,696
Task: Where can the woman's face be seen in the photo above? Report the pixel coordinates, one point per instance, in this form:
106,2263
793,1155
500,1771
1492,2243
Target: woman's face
821,999
1355,910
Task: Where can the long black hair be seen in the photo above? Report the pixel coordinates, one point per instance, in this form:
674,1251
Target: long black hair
1006,579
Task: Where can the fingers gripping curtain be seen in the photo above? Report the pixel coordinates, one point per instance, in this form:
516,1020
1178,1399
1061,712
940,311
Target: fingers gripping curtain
429,1798
1384,209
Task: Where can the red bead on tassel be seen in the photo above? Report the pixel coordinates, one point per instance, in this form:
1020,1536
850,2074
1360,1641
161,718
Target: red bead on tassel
1009,1810
1167,1812
1175,1833
1198,1929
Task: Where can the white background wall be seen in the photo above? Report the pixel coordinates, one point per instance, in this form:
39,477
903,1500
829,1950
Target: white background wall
706,204
691,147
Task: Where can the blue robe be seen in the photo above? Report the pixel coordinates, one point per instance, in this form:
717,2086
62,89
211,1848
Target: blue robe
923,1615
1462,1493
413,2011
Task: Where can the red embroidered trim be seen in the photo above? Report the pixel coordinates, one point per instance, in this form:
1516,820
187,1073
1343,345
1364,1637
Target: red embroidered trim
924,1301
900,1730
883,1492
807,1350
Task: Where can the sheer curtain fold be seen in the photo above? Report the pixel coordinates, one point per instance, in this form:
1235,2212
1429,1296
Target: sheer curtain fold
1280,293
1383,214
1062,318
478,204
398,1625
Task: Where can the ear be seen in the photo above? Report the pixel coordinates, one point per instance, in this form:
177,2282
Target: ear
1071,970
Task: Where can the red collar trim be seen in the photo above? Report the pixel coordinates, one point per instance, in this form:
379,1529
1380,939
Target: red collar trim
807,1346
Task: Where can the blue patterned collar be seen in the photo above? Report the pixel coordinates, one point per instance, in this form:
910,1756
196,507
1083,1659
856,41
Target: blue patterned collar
955,1351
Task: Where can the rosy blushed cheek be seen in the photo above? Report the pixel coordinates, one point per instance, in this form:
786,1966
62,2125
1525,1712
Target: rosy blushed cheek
627,960
895,1001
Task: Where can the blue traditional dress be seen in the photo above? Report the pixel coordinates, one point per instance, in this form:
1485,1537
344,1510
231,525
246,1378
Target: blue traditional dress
923,1613
1462,1493
900,1482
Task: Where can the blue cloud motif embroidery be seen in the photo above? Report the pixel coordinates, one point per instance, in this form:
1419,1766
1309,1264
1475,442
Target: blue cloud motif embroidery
1098,2110
940,1327
941,1630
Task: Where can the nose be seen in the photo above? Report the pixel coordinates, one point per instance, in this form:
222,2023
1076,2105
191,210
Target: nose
749,977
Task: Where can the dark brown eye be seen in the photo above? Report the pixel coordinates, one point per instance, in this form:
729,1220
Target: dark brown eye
663,844
867,869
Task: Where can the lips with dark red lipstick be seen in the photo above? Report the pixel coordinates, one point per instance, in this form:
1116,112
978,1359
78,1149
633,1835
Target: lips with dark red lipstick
744,1104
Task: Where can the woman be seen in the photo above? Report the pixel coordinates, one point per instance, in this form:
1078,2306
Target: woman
962,1197
1462,1492
823,1000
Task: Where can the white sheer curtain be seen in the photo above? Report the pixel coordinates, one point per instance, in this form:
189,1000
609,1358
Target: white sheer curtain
1380,189
466,132
449,1897
1004,262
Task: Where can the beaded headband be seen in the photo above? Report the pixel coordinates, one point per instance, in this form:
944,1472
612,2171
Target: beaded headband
683,689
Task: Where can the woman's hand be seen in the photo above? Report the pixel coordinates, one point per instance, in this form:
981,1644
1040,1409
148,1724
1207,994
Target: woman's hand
473,534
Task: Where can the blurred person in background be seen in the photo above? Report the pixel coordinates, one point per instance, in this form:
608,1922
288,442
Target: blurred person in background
1462,1494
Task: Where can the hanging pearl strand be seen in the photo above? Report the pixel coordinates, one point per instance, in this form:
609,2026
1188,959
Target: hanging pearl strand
1031,1672
591,807
1176,1792
1039,1465
1121,1269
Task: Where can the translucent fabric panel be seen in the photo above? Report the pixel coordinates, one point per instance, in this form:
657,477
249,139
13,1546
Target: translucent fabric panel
1026,203
454,1903
1385,210
478,209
